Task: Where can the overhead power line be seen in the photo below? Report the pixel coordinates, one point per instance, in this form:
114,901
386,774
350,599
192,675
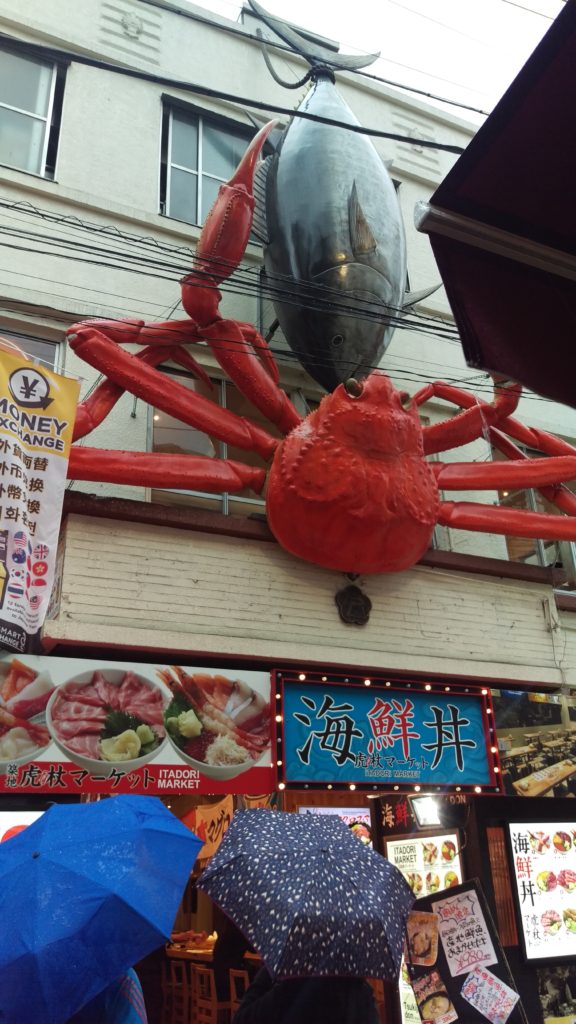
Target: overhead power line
62,56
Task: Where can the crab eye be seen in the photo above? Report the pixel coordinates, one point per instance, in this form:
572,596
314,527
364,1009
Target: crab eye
353,387
405,399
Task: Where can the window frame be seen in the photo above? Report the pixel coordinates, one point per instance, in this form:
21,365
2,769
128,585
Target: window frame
51,122
170,107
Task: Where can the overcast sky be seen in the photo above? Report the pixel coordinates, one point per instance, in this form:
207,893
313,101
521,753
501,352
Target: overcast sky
465,50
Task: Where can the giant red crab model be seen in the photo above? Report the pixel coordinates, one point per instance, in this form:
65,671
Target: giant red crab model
348,487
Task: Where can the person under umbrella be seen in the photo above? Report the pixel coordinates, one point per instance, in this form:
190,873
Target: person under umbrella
86,891
122,1002
312,900
307,1001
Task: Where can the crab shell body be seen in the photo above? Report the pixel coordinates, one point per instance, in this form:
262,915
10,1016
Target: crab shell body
349,488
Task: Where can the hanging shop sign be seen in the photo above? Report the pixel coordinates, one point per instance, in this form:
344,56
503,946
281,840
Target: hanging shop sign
367,734
210,823
76,726
37,411
544,861
457,967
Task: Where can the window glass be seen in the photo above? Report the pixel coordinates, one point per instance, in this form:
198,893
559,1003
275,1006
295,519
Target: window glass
209,192
184,142
172,436
25,83
183,195
21,141
221,151
43,351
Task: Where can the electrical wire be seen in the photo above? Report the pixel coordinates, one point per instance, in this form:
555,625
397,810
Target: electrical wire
62,56
245,35
250,283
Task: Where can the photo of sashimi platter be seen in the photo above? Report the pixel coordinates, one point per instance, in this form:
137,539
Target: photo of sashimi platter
111,719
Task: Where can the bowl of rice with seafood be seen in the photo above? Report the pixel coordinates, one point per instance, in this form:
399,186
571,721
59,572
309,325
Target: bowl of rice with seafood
108,718
24,694
218,725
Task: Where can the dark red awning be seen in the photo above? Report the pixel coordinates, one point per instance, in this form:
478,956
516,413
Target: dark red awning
503,226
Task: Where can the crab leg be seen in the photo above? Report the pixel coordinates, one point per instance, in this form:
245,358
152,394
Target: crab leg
241,351
480,416
559,496
237,357
458,476
465,515
135,376
186,472
470,424
94,409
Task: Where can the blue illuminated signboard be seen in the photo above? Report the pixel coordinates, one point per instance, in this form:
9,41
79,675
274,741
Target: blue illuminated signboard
374,736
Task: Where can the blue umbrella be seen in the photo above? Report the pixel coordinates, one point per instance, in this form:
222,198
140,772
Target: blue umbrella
87,890
309,896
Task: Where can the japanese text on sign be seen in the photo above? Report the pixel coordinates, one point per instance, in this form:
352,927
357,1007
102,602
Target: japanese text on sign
349,734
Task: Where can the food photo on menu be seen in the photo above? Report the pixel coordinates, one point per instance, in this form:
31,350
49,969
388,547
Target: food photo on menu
544,859
434,1002
422,938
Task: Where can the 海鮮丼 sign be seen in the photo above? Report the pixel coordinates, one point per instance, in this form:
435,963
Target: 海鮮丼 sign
373,735
37,412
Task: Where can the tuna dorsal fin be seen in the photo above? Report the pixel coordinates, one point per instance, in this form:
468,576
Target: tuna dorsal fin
411,298
361,236
259,219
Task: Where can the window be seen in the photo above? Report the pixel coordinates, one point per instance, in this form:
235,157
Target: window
41,351
170,435
198,154
30,107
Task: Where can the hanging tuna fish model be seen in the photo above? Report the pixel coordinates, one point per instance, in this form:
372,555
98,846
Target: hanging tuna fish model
332,229
348,487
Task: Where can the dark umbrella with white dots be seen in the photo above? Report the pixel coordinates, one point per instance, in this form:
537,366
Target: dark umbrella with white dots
309,896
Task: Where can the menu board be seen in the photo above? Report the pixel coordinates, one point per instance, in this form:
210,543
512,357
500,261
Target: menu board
457,967
544,863
429,863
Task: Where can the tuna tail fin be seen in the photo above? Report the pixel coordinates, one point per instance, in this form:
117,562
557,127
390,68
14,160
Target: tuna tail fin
314,53
412,298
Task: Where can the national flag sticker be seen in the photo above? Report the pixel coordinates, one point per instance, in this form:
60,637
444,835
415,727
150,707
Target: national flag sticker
41,551
40,568
19,539
15,589
19,556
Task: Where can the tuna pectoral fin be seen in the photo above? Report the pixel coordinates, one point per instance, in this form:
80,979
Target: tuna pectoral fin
411,298
361,238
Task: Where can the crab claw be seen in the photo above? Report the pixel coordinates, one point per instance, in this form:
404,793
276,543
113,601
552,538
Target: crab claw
225,233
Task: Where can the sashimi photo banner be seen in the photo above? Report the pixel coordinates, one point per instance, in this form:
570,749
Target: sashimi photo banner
79,726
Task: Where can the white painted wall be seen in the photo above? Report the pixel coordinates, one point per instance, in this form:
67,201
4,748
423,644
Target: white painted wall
147,587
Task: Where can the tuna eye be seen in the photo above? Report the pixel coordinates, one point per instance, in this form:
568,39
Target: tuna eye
353,387
337,340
